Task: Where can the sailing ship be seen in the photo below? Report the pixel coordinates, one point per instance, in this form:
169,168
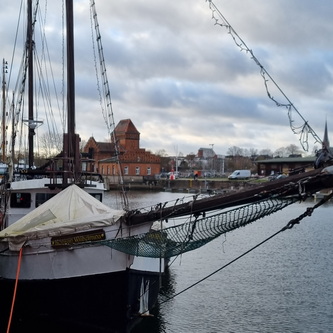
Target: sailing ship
75,260
66,271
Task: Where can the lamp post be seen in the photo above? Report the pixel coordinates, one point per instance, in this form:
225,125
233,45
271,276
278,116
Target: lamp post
213,157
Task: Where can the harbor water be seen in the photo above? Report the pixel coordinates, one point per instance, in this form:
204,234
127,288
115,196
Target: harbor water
284,285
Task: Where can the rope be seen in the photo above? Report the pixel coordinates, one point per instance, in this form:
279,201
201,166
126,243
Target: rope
304,129
308,212
219,269
105,100
175,240
289,225
15,289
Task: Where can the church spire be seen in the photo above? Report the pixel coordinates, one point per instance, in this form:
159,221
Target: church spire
324,155
326,142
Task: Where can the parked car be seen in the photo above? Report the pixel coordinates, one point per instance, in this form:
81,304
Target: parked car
277,176
162,175
240,174
208,174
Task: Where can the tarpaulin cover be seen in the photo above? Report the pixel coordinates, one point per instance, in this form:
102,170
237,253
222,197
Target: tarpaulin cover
70,210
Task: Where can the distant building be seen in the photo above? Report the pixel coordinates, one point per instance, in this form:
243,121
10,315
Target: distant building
208,163
206,153
295,164
135,162
284,165
98,151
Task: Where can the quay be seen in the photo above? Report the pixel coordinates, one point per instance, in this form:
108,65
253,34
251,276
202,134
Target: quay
186,185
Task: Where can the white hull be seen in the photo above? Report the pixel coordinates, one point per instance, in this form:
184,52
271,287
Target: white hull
41,261
87,283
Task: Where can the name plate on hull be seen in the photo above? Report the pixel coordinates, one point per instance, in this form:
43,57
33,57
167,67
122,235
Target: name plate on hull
83,237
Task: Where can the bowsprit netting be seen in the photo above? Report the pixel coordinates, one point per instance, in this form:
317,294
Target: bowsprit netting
173,241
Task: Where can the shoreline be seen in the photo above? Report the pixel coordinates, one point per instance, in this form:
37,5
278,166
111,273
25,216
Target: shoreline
187,186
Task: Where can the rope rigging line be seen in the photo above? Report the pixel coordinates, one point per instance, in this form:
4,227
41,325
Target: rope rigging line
178,239
211,221
289,225
105,99
303,130
24,69
44,71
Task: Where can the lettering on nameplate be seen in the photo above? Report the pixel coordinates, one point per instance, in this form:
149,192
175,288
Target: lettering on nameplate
83,237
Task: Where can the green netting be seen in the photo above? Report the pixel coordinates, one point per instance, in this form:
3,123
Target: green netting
191,235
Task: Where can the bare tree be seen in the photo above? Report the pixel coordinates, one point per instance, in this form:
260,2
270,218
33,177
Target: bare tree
246,152
253,152
235,151
50,144
265,152
82,144
293,150
161,152
280,152
190,160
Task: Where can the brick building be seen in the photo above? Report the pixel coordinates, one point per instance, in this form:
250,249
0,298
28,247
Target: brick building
136,162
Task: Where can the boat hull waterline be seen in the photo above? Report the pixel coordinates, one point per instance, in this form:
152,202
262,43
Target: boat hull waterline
64,268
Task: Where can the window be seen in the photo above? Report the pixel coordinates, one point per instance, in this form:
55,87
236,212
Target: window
20,200
148,171
3,169
42,197
97,196
126,170
137,171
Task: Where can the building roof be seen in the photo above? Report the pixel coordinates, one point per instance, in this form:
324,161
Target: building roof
308,159
126,126
102,146
105,146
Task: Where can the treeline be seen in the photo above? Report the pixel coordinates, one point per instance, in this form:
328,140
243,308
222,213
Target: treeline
236,158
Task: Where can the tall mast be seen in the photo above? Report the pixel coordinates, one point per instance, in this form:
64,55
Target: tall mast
70,67
31,124
72,162
3,145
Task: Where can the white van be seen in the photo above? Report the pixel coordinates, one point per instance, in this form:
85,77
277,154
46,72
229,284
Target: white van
240,174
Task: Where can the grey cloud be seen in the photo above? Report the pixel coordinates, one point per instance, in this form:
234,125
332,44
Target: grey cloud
182,79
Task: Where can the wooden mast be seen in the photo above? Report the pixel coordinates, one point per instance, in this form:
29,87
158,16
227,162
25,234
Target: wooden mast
31,126
70,67
72,163
3,144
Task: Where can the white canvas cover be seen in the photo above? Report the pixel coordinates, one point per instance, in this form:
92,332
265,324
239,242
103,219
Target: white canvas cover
70,210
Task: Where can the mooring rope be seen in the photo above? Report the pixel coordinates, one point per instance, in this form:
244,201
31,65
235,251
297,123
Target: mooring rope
15,290
289,225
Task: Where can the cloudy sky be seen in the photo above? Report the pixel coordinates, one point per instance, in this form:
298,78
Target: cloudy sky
184,82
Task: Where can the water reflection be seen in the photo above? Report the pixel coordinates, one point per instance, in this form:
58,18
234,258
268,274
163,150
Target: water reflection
283,286
157,322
